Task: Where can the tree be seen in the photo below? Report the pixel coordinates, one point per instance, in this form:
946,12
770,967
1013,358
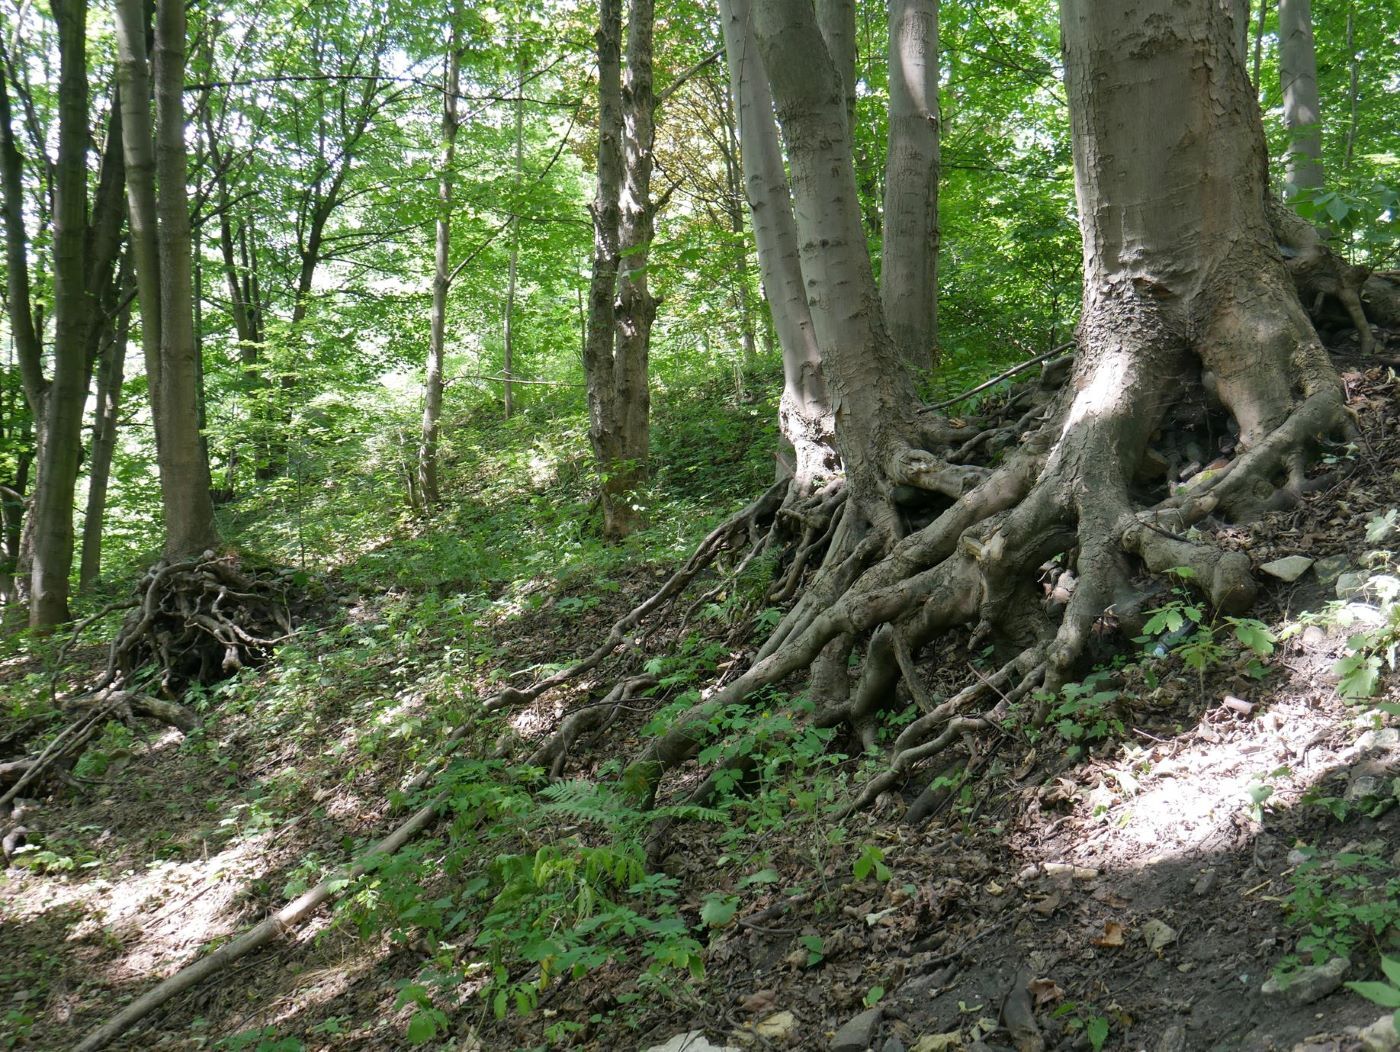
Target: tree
428,495
1188,311
85,243
909,249
621,308
1302,112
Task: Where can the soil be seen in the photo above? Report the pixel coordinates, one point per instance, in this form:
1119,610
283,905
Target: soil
1145,884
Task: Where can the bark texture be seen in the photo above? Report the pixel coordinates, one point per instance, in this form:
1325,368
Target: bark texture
1302,113
620,306
805,416
428,495
909,252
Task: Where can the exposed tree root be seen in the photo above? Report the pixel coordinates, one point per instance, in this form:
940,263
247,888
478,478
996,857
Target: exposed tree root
1096,495
200,620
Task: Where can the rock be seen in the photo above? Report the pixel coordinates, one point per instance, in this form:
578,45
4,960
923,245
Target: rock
1158,935
692,1041
1309,984
1289,568
1351,585
859,1033
777,1027
1363,786
1329,569
939,1042
1380,1036
893,1044
1173,1039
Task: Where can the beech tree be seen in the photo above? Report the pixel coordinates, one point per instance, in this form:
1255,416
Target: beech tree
1190,315
621,308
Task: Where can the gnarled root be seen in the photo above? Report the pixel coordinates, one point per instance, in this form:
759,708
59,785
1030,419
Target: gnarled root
200,620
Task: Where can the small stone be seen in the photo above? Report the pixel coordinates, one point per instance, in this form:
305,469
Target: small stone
893,1044
939,1042
1329,569
1205,884
1310,984
1158,935
1173,1039
1380,1036
1363,786
858,1034
1351,585
777,1027
1289,568
691,1041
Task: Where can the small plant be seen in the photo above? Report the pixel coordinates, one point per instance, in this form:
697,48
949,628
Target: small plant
1341,902
1181,627
871,860
1084,1018
1082,714
1386,994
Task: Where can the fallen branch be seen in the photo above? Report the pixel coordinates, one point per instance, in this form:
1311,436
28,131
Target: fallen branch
289,917
998,379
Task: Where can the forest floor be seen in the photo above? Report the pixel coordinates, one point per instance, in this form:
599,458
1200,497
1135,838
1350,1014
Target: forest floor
1127,878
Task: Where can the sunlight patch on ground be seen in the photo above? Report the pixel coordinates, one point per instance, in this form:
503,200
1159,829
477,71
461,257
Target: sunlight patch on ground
1210,787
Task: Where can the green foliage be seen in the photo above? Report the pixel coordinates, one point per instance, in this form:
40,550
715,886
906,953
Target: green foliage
1386,994
1341,902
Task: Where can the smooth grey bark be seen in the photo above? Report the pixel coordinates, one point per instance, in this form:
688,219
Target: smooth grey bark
805,415
428,495
872,391
836,20
1259,43
1302,113
909,252
180,453
60,439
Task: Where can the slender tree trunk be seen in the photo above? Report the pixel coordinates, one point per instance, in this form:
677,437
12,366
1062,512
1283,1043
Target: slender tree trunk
111,363
508,321
636,306
805,416
871,390
1302,114
909,257
1259,44
432,396
1353,87
836,20
133,76
61,434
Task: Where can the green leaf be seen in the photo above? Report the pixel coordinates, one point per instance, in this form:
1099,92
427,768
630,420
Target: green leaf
1391,967
719,909
1096,1030
1380,993
422,1028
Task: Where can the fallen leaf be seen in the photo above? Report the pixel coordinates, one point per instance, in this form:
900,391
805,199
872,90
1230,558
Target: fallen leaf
939,1042
758,1001
1044,991
1047,905
1112,935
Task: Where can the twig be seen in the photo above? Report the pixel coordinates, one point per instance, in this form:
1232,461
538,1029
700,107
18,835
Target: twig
1052,352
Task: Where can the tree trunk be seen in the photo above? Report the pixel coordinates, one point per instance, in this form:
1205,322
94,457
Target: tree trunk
836,20
636,306
609,374
508,321
111,362
1302,114
60,437
909,256
166,298
428,494
805,416
1189,312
